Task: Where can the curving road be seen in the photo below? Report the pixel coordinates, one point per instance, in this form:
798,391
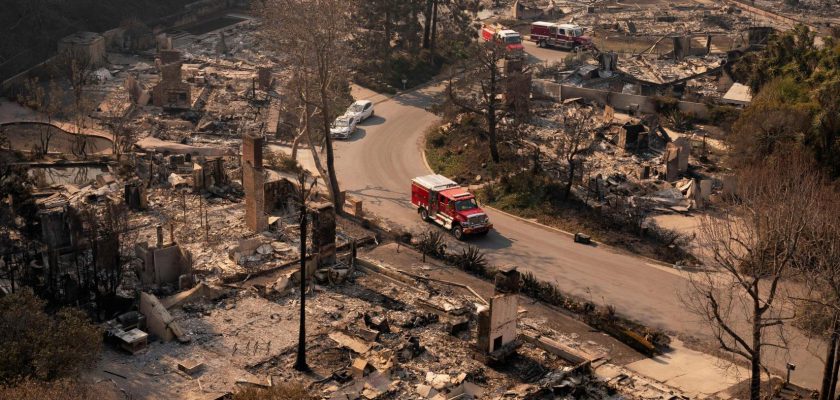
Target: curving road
377,166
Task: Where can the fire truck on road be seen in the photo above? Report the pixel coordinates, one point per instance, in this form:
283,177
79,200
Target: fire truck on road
565,36
511,39
444,202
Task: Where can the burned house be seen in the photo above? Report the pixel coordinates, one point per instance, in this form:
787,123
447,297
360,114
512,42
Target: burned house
535,9
164,264
89,47
209,173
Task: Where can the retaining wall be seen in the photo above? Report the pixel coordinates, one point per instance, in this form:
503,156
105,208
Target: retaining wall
619,101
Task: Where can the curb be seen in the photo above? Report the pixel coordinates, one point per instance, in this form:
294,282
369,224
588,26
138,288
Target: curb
387,97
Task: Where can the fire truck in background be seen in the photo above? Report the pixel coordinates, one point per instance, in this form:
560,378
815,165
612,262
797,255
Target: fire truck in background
443,201
511,39
565,36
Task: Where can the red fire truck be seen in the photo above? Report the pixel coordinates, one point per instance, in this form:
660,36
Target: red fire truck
566,36
510,38
441,200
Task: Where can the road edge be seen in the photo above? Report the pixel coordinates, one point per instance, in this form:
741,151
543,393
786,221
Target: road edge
660,263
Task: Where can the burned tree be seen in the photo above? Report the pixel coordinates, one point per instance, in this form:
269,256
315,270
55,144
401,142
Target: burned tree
312,36
117,115
482,71
78,68
753,247
49,103
820,310
575,139
303,195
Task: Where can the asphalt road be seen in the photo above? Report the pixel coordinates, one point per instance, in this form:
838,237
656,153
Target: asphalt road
377,166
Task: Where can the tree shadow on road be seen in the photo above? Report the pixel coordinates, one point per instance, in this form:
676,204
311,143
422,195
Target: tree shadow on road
418,98
378,195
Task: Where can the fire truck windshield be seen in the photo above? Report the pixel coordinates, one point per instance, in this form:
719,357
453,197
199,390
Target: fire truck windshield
577,32
513,40
464,205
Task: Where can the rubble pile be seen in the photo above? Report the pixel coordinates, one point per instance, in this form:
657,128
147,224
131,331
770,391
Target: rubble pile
658,70
634,159
662,18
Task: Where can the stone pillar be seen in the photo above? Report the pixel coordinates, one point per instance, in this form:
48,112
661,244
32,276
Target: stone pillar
323,233
159,236
253,181
264,78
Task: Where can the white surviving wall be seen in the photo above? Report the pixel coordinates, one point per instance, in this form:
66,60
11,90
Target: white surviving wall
619,101
503,313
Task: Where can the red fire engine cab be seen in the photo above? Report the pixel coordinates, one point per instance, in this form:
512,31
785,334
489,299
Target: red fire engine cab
507,37
444,202
566,36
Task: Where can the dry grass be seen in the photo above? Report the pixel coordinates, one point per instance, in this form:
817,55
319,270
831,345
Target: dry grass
62,389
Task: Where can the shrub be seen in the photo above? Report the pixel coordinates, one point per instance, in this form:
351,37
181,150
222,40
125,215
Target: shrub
665,104
723,115
432,243
41,345
437,139
281,161
472,260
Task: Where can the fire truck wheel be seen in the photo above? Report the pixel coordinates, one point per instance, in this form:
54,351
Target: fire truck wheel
541,43
424,215
458,232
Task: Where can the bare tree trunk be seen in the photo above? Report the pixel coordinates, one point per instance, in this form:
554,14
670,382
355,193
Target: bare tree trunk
335,192
433,37
386,40
427,24
828,379
491,116
568,189
295,144
300,362
834,372
755,357
315,156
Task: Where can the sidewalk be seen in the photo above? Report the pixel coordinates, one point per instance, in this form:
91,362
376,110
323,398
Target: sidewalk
698,374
